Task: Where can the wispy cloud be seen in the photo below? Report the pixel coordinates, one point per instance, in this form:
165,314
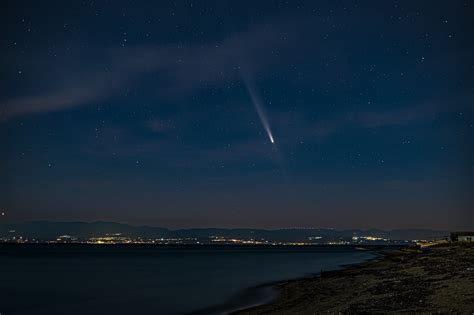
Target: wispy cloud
400,116
180,69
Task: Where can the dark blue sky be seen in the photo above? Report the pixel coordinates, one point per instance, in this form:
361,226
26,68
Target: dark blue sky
138,112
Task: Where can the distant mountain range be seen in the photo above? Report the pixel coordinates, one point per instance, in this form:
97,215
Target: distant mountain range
47,230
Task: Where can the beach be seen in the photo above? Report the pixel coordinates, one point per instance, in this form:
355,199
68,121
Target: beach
429,280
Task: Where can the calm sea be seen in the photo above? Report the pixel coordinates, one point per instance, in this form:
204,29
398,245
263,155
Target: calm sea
68,279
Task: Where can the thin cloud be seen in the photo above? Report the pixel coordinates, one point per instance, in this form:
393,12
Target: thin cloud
181,69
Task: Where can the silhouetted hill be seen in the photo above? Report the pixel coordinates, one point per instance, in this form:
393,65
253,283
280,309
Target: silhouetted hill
51,230
47,230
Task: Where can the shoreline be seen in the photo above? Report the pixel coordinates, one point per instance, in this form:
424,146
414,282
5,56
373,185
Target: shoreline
267,293
248,298
403,280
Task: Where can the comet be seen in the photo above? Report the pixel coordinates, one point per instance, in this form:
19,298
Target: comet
257,103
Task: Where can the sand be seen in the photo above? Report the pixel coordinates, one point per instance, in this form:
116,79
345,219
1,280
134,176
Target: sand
437,279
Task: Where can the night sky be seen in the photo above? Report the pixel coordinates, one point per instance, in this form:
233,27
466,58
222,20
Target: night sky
163,113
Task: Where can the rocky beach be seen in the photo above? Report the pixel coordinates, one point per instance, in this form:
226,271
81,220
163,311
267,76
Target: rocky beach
411,280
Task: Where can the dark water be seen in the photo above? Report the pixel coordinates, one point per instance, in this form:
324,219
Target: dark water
67,279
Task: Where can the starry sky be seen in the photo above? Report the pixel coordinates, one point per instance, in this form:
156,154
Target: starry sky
163,113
